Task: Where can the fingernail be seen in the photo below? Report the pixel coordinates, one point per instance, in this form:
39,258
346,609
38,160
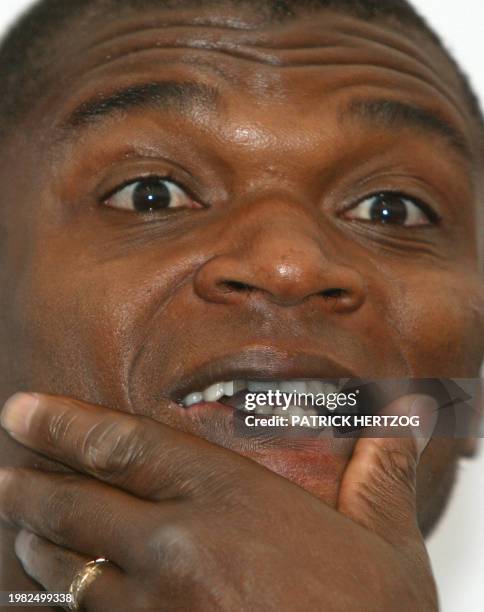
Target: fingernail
23,544
426,409
23,549
17,413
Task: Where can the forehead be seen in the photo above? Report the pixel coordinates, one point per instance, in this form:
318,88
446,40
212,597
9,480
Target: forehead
299,65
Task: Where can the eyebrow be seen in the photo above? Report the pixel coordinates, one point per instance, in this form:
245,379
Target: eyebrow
396,114
159,95
183,96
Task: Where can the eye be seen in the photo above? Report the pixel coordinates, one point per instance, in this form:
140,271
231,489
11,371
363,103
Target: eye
393,209
150,195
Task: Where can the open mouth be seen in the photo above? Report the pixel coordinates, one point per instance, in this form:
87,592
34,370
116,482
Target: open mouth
263,380
283,397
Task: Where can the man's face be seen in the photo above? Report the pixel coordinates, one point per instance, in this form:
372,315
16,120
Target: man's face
269,145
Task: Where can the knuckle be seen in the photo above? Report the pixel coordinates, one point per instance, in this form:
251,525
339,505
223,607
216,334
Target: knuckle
390,475
398,467
185,553
112,448
404,466
59,508
177,547
59,426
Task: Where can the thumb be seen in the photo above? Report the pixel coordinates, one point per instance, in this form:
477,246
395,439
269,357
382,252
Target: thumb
378,489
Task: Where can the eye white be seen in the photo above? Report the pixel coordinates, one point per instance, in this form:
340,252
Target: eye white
364,211
164,194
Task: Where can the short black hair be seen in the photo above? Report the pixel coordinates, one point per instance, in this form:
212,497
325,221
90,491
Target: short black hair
28,47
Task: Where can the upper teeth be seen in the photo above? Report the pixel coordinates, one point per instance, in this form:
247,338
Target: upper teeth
217,390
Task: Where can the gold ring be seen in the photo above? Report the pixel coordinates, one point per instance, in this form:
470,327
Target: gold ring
86,576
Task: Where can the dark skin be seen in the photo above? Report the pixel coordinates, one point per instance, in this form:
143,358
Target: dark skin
130,311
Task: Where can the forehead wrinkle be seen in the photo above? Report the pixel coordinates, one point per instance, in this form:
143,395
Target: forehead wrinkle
263,33
250,40
256,49
257,38
317,36
260,55
253,55
151,26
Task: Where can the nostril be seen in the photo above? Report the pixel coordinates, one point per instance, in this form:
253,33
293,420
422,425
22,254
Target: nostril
333,293
230,286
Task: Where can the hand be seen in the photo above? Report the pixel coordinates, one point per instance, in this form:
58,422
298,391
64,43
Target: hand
189,525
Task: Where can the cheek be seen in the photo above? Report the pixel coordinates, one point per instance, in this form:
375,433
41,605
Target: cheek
85,318
440,319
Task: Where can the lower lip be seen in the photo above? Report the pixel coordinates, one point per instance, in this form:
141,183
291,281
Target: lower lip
315,464
204,406
213,412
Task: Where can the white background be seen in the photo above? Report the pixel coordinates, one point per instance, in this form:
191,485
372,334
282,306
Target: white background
457,547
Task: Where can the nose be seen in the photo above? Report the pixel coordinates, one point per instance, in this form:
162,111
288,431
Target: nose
283,263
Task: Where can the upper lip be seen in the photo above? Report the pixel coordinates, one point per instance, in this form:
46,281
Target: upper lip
259,363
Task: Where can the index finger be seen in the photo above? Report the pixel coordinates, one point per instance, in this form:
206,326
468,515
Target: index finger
133,452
